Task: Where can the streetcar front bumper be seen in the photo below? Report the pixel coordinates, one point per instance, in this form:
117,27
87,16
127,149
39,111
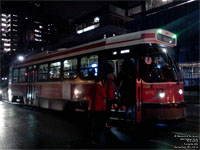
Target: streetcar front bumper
164,111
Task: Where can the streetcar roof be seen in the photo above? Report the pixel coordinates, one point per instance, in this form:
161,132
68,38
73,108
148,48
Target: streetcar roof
140,37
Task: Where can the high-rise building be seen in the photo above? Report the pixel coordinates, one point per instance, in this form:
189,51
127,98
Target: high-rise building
9,32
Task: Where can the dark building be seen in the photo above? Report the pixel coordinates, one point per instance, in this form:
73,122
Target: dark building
9,32
182,18
25,30
102,23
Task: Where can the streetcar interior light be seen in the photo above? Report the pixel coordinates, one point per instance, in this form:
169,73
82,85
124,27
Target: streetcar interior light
161,125
96,19
0,91
124,51
80,31
76,92
180,91
94,65
164,50
114,53
161,94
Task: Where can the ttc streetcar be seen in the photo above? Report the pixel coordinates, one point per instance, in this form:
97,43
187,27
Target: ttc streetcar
62,80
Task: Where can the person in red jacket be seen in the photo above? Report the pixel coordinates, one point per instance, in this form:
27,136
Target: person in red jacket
97,108
110,89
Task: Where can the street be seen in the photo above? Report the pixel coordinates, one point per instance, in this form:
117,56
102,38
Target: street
25,127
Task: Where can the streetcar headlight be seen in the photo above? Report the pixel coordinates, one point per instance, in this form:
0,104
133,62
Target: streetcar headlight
161,94
180,91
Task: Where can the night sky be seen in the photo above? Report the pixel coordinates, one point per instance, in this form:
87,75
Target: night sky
72,9
64,9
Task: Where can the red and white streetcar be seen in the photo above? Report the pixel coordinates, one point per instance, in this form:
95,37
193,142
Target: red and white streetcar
62,79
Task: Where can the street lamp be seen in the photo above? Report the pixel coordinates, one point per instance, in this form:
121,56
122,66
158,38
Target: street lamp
20,58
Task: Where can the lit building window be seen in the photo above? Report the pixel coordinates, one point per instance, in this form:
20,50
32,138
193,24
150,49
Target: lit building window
38,40
155,3
4,15
37,35
26,18
3,19
15,25
88,28
6,44
38,31
40,27
15,15
7,49
37,5
3,24
5,40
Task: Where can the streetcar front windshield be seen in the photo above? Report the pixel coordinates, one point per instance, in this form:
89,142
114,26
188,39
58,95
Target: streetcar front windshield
157,65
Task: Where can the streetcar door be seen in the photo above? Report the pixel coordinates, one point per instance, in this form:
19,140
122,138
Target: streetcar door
117,65
31,87
138,108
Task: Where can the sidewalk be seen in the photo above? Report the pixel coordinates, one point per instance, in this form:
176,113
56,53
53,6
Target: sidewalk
192,106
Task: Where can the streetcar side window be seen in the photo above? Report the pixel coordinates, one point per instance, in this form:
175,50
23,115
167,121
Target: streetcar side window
54,72
89,66
43,72
70,68
22,75
15,75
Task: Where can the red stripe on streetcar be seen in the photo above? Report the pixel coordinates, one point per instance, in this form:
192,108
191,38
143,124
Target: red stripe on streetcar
148,35
145,35
68,52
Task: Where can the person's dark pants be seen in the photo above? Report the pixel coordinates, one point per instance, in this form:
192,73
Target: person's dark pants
109,103
97,122
128,109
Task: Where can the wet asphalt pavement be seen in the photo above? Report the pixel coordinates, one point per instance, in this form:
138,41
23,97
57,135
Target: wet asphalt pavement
23,127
